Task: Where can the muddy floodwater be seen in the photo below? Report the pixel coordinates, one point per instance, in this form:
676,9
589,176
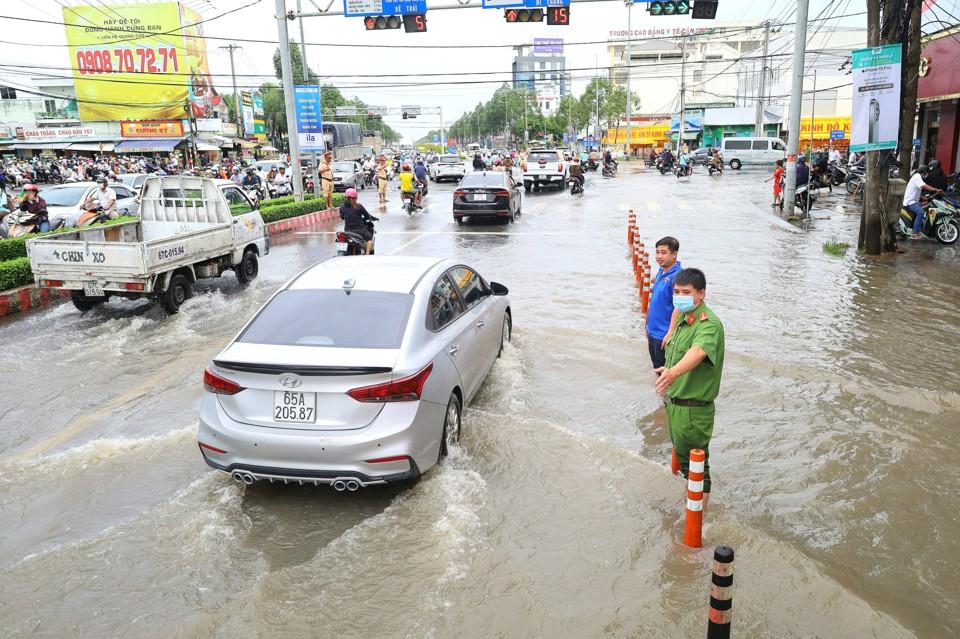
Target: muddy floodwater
833,459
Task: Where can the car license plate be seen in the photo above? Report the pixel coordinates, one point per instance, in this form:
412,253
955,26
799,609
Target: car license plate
341,246
92,289
294,407
480,197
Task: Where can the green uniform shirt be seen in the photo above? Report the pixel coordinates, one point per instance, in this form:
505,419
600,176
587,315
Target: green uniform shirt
700,327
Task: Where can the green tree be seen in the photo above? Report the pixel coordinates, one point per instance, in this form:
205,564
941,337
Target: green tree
296,61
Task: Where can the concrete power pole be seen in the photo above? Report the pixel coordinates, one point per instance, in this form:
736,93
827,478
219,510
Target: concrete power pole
683,89
629,4
758,130
233,74
286,68
796,103
306,80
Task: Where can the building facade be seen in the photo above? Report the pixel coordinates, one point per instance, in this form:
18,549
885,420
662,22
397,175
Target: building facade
534,68
938,94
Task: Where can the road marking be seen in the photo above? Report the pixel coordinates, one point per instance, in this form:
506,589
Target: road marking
405,245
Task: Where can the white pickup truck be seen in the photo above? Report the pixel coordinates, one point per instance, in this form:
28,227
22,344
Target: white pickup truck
545,167
190,228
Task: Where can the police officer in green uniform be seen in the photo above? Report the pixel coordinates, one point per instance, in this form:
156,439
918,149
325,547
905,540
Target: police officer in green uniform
691,377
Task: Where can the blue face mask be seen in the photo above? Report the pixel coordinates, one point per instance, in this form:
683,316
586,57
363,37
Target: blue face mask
683,303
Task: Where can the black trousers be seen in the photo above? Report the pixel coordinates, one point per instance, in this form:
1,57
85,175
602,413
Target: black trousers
657,355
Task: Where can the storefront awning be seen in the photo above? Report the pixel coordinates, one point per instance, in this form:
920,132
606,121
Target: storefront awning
267,147
206,146
164,145
40,146
92,146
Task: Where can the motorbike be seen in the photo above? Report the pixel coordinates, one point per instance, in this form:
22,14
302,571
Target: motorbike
837,173
254,193
802,195
651,162
715,167
855,178
19,223
408,203
348,243
940,221
282,189
609,170
682,171
576,186
665,166
592,165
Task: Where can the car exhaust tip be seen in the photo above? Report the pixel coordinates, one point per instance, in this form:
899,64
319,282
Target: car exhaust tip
237,476
339,485
243,478
353,485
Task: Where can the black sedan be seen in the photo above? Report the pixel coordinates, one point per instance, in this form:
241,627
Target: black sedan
487,194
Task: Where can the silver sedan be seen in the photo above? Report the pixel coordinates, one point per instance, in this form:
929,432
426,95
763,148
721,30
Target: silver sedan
354,373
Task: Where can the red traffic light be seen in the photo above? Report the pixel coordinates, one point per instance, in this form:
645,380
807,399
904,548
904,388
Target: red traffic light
558,15
378,23
523,15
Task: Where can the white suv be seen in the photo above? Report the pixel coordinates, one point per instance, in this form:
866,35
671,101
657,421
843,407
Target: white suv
447,167
544,167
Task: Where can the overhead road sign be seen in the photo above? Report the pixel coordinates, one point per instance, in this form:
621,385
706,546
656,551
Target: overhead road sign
364,8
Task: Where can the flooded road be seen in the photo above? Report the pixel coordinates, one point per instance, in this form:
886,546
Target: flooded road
833,449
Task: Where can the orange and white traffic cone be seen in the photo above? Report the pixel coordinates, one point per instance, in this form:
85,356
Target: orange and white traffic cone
693,532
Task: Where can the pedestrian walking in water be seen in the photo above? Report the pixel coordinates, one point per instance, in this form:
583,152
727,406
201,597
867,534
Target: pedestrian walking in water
661,311
691,377
777,177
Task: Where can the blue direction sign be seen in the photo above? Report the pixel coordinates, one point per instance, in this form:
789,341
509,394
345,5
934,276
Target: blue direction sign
436,139
837,135
523,4
363,8
306,99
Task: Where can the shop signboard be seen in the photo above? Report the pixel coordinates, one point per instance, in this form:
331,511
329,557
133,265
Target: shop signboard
231,129
209,125
154,55
151,129
55,133
876,98
548,45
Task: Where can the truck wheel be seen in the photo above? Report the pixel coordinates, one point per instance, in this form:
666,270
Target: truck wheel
248,268
84,303
526,187
178,292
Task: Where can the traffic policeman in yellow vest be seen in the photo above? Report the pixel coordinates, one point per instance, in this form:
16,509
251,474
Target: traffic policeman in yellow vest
691,377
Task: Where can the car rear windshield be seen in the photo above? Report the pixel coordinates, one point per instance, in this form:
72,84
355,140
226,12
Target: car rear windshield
331,318
481,180
69,196
545,156
450,160
343,167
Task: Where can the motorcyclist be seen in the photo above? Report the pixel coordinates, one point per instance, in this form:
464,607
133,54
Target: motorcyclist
32,203
281,181
576,172
408,185
821,167
936,177
421,172
666,158
685,168
236,177
251,179
478,163
608,160
102,199
717,160
803,171
357,220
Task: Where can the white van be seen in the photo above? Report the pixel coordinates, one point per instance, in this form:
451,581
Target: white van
739,151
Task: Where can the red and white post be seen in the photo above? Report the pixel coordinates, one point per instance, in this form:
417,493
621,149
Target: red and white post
693,532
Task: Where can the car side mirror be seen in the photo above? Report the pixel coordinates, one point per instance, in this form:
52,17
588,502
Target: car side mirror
498,289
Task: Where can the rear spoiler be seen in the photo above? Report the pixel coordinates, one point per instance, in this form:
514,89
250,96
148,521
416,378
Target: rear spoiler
305,371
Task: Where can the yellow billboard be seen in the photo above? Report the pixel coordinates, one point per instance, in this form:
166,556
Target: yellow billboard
139,62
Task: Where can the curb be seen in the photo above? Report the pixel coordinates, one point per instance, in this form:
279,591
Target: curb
22,299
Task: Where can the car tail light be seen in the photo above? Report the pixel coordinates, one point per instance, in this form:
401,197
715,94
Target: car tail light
560,168
52,282
502,193
407,389
384,460
523,165
133,286
219,385
459,194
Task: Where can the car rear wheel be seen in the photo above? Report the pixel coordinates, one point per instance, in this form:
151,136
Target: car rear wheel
451,426
735,165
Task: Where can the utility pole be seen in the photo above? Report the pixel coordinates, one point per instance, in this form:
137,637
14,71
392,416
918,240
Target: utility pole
813,118
306,80
629,4
233,74
758,130
596,94
796,103
286,68
443,144
683,89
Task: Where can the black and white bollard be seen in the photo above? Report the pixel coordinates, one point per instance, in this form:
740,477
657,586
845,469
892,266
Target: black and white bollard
721,595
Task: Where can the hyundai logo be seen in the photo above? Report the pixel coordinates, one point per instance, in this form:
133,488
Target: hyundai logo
289,380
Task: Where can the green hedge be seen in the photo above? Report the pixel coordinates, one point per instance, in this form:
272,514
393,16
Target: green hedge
287,199
294,209
13,247
15,273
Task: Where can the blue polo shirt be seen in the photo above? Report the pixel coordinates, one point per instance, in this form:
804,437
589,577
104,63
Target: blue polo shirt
661,302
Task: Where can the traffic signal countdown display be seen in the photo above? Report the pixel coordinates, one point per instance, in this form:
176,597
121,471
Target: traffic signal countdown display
669,7
558,16
705,9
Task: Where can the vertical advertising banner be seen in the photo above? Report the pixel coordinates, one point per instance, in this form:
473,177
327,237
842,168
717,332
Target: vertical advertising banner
139,62
309,117
876,98
246,112
259,120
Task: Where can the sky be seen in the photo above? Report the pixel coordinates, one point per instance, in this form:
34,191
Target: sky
401,53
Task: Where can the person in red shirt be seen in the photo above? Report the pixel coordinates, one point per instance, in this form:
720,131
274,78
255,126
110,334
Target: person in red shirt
777,178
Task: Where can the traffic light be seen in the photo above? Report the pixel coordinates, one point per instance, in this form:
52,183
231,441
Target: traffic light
669,7
704,9
523,15
558,15
378,23
415,22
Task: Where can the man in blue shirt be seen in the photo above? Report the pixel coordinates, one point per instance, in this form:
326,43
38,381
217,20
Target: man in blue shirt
660,312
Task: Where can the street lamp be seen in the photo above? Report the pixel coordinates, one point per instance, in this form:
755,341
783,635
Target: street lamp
629,4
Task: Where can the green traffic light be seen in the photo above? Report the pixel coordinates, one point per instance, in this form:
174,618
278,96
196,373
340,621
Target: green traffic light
683,8
656,8
669,8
